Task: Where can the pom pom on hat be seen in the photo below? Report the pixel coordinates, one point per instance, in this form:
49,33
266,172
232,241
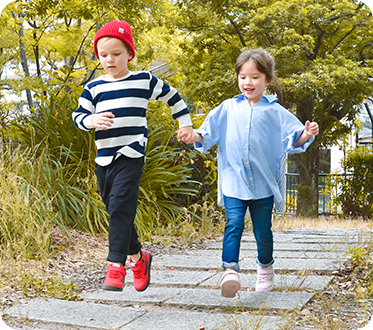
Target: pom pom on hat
117,29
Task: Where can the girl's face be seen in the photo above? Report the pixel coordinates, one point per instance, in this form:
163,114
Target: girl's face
113,56
251,82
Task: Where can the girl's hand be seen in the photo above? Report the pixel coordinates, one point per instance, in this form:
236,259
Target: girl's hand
103,120
311,128
187,135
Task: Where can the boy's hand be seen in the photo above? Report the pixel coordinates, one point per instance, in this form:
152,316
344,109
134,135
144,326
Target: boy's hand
185,134
103,120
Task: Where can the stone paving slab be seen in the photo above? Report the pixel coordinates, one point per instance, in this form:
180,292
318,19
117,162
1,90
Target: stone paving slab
320,265
166,320
217,253
187,261
325,247
204,278
323,240
335,233
300,237
248,264
326,231
322,247
23,328
75,312
173,291
175,277
129,294
247,299
313,282
309,239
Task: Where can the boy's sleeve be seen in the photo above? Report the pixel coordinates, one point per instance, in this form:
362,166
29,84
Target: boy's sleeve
163,92
83,115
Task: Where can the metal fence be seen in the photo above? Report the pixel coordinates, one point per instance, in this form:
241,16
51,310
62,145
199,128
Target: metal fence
292,180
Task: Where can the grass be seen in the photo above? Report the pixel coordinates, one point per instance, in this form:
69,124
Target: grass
256,322
193,226
292,222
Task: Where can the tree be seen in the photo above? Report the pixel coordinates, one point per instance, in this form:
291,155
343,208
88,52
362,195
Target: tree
55,41
324,54
58,46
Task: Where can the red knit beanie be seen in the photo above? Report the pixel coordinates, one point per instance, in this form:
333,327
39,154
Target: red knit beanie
116,29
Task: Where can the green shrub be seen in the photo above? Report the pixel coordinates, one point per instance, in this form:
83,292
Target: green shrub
37,192
163,184
353,192
62,169
51,127
25,221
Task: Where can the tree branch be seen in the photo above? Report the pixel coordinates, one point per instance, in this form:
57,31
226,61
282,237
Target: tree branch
347,34
312,56
90,75
76,57
238,32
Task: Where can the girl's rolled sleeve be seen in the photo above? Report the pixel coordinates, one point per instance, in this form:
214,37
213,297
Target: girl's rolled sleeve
292,138
205,144
211,129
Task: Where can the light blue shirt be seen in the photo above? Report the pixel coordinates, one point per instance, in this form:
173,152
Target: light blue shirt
252,141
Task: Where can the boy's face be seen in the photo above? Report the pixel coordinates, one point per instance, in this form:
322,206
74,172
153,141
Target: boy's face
113,56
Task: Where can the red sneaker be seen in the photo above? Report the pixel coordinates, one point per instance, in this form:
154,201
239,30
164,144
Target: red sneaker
114,280
141,271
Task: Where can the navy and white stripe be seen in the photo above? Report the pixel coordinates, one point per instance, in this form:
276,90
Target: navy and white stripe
127,98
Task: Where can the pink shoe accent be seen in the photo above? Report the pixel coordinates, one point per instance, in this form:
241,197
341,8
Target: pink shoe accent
265,279
230,284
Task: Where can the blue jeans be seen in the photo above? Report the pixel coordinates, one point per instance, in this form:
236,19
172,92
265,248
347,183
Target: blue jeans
261,217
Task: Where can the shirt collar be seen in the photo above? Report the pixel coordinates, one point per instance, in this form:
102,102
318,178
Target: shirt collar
268,98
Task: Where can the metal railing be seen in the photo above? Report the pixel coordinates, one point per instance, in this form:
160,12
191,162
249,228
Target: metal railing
292,180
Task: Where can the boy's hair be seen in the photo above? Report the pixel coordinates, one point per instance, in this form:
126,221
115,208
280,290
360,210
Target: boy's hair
124,44
116,29
265,63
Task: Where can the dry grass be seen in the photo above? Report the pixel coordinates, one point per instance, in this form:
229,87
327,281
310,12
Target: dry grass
291,222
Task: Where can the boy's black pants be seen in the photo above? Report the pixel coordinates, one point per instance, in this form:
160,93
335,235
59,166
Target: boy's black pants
119,186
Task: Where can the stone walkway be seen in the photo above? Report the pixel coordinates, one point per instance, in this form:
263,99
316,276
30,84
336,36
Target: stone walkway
185,293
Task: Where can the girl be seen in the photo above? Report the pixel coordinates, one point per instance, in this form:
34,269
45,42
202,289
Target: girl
253,132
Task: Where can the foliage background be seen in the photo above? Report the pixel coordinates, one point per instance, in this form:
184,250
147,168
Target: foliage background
324,54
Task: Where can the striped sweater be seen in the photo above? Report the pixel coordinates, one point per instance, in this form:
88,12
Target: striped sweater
127,98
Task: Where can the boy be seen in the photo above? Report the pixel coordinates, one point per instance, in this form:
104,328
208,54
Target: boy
115,105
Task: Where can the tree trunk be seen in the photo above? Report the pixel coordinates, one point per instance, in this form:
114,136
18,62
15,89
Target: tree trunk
24,59
308,187
308,166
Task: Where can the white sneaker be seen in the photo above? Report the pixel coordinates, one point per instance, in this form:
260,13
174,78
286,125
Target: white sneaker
265,279
230,283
